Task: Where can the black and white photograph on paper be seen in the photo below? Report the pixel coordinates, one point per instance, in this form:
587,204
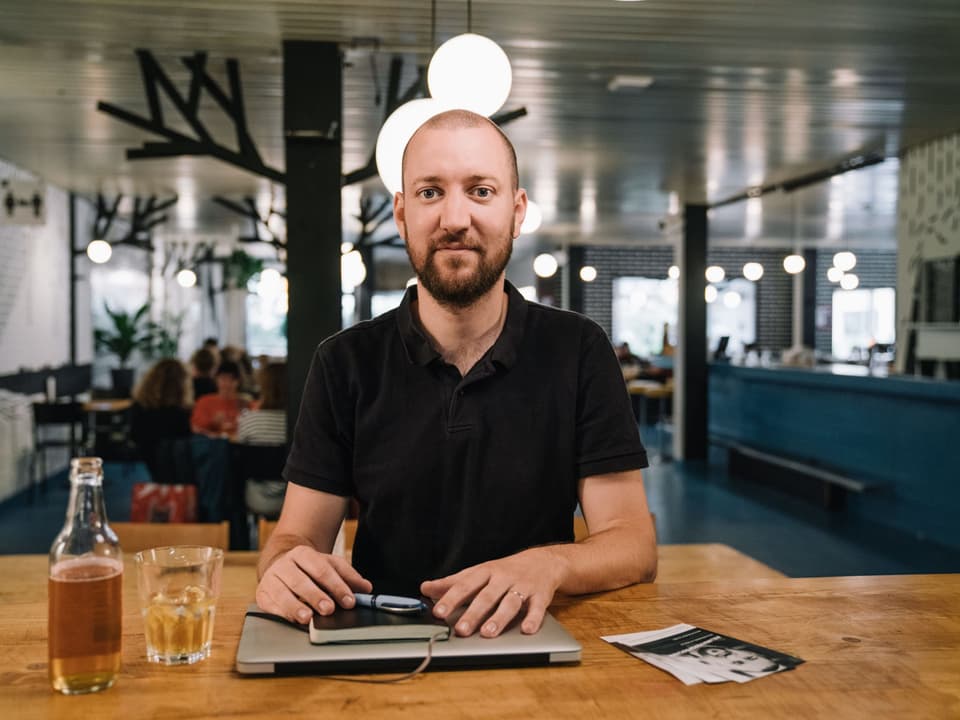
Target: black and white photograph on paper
694,655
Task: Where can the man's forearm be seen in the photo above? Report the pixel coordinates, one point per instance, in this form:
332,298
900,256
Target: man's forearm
606,560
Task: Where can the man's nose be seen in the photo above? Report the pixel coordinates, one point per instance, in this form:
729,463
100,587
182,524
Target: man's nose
454,214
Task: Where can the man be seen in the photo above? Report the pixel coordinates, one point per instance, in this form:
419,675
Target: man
468,423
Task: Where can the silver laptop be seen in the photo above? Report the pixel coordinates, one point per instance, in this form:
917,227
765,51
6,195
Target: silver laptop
268,647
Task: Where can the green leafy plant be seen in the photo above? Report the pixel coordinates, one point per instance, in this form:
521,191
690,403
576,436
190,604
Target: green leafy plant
129,332
165,335
239,268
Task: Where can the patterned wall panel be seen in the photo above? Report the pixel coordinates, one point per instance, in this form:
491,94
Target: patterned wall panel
774,290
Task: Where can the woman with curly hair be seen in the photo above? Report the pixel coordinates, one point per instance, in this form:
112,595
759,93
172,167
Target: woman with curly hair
161,409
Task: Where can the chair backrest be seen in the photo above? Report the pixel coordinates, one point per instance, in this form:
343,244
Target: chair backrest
349,530
136,536
580,531
259,462
59,413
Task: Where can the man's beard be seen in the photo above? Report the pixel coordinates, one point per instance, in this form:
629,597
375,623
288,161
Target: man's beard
461,291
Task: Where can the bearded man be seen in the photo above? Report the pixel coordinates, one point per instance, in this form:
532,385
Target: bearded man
468,423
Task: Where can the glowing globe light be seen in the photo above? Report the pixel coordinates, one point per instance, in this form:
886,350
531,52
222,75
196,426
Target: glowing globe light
674,272
271,283
186,278
352,271
396,133
753,271
715,274
545,265
471,72
532,220
99,251
345,247
794,264
732,299
588,273
710,293
849,281
844,261
834,274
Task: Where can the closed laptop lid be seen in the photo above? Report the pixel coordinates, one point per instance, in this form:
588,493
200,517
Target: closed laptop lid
268,647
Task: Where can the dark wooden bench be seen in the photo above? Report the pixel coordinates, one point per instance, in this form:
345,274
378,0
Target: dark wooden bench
831,488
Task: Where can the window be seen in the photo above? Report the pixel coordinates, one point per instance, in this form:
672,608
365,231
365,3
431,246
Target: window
862,318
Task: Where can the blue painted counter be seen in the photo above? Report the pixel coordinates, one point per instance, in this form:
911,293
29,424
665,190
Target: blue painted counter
901,432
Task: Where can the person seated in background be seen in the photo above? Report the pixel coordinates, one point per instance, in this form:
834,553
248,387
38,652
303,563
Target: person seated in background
240,356
265,423
160,411
216,415
202,364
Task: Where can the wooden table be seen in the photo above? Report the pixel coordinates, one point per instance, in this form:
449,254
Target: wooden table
876,647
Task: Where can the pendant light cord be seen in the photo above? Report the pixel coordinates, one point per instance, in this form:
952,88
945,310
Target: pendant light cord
469,16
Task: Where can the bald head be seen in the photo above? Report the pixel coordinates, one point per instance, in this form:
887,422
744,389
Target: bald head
463,120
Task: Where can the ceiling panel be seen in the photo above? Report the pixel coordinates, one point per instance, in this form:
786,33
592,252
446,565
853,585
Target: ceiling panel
743,93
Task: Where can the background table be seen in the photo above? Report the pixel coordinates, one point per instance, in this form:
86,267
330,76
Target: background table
876,647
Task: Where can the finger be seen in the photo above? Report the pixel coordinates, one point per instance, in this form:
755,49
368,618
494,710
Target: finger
305,586
468,584
275,597
485,602
352,581
510,606
537,605
335,576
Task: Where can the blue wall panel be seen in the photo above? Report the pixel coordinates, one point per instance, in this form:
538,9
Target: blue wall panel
902,433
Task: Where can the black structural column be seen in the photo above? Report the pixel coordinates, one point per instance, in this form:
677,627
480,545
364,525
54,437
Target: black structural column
691,401
575,258
312,121
72,239
810,298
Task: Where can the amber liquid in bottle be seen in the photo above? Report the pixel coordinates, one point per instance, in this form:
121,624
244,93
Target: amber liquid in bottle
85,589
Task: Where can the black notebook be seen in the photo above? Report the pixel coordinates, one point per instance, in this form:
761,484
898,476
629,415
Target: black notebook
363,625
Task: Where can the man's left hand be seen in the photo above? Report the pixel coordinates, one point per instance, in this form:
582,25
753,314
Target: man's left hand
498,591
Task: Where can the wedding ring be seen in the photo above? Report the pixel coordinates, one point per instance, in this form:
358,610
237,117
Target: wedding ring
519,595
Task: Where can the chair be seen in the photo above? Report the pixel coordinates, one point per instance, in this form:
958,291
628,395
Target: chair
258,489
136,536
70,415
580,531
342,546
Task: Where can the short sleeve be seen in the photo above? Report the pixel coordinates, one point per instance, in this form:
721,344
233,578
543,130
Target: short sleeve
608,439
322,450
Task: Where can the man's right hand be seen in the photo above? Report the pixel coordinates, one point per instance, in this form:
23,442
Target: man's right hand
303,580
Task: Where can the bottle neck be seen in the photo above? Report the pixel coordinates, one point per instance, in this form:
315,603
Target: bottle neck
86,507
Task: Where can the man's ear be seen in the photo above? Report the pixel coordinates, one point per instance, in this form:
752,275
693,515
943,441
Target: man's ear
519,211
399,215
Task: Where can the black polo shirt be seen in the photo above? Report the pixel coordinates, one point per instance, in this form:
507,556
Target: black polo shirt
452,471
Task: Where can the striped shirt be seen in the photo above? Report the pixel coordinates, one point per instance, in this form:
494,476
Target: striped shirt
262,427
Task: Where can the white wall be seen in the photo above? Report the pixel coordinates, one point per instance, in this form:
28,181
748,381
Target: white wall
35,288
928,219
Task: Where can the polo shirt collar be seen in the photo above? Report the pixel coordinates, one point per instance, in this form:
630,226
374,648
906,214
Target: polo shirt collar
504,351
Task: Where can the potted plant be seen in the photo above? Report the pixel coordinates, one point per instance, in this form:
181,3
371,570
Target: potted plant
128,333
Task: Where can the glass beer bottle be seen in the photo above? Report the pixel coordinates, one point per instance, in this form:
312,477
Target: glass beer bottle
85,589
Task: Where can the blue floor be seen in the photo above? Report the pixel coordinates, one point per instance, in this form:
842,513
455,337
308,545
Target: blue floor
694,503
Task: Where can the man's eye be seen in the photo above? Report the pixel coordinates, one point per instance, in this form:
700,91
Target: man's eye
483,192
428,193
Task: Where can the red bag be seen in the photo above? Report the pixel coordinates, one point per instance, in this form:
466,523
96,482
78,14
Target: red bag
155,502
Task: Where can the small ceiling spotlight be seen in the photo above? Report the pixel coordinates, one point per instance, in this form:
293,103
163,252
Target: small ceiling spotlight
588,273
